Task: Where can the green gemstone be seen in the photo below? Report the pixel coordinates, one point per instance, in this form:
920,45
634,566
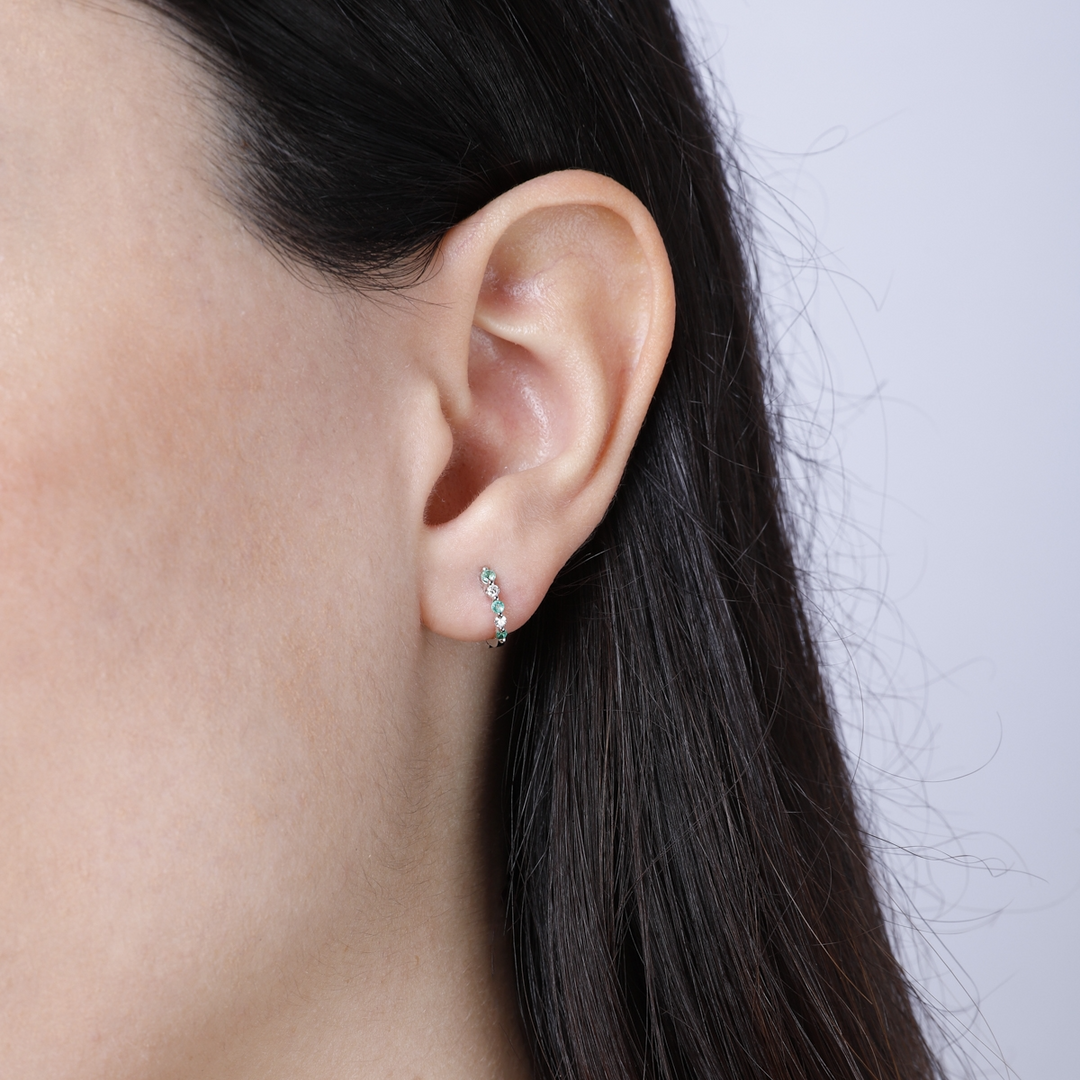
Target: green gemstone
500,635
487,576
498,607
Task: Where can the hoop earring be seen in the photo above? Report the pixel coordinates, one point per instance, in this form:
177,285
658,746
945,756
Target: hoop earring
487,579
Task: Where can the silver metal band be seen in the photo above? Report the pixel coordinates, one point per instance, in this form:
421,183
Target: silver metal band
487,579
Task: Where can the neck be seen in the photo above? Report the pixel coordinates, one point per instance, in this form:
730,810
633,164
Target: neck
416,979
434,999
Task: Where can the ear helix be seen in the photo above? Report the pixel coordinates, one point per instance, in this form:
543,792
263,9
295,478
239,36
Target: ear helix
487,579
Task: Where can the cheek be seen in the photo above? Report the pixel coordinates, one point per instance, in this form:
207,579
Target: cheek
196,528
198,521
170,472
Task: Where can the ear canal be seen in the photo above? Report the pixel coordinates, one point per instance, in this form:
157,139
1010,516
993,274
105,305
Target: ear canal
457,486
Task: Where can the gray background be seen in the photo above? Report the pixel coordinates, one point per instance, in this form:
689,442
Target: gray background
916,168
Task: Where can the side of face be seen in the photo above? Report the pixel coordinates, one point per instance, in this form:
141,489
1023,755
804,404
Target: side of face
244,712
200,460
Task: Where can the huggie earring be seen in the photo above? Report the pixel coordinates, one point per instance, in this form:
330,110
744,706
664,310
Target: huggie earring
487,579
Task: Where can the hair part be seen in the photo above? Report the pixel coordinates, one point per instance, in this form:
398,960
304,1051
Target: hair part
690,891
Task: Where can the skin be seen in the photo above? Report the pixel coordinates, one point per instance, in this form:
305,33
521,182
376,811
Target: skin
245,718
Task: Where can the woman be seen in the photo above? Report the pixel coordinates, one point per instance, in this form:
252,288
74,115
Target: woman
339,338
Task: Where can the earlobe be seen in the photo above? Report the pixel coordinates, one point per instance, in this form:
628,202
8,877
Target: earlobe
572,314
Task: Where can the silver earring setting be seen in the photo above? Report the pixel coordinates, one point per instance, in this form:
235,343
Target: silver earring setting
487,579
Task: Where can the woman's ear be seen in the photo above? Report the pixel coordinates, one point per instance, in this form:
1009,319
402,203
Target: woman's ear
543,387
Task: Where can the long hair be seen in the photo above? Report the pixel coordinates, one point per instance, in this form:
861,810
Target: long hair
690,892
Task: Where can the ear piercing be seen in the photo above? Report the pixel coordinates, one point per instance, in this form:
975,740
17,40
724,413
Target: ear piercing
487,579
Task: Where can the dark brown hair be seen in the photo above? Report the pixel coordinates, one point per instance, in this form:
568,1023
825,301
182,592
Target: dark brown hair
690,890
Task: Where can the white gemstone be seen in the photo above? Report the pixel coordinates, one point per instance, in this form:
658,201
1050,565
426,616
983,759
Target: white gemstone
500,622
493,591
